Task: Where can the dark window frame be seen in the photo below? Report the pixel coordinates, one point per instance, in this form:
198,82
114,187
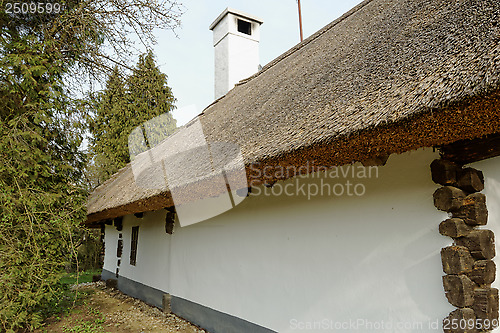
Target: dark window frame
133,245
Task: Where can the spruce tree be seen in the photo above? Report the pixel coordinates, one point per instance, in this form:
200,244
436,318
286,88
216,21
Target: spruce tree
122,107
106,128
149,97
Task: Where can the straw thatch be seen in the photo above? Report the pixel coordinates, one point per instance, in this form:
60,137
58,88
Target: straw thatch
387,77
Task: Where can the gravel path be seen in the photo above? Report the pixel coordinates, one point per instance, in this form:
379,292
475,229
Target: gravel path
110,311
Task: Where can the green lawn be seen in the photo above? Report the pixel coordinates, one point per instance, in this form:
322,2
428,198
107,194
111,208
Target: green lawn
71,278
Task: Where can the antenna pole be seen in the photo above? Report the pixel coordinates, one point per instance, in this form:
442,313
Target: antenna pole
300,22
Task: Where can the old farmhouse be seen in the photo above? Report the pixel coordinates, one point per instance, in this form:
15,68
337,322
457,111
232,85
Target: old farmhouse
371,190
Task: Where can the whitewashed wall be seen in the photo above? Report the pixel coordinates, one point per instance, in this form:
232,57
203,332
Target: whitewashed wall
289,262
153,251
110,244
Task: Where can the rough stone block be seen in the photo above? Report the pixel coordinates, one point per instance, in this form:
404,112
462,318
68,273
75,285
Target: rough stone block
456,260
486,307
480,242
459,290
473,211
449,198
470,180
444,172
483,272
454,228
460,321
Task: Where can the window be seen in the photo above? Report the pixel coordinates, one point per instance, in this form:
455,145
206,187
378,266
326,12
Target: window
133,245
245,27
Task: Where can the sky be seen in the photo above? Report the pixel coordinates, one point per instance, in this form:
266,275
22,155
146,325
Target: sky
188,58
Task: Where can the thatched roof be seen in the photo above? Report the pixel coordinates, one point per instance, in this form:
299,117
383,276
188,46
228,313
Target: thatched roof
387,77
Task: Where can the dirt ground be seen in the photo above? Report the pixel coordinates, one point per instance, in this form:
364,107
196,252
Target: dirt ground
110,311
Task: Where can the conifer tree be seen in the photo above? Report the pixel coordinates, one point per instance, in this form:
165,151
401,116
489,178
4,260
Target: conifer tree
149,97
125,105
42,200
107,130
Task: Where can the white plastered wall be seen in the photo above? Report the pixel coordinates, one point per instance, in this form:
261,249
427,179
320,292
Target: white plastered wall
153,251
110,245
287,263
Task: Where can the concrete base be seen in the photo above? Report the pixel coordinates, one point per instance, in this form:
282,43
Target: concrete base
209,319
213,320
136,289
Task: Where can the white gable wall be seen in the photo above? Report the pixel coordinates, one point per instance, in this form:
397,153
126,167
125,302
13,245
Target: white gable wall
286,262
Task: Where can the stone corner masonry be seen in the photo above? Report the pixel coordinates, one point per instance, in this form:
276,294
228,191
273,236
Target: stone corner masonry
467,263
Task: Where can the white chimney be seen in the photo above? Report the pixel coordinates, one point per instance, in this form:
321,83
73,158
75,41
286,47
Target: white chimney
236,44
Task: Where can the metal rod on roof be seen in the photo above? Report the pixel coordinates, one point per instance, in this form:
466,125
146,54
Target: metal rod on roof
300,22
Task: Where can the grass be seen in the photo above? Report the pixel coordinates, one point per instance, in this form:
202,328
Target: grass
68,303
87,326
69,298
84,327
83,277
77,322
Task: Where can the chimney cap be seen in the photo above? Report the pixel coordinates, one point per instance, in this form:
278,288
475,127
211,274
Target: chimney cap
237,13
